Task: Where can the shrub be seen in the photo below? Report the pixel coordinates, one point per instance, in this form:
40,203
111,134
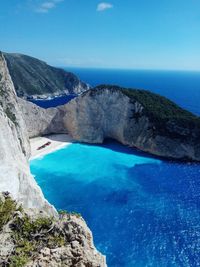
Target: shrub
7,208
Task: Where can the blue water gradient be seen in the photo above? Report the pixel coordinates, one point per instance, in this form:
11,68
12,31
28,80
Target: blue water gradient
142,211
182,87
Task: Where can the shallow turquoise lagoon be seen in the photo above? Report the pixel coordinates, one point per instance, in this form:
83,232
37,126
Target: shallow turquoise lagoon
142,211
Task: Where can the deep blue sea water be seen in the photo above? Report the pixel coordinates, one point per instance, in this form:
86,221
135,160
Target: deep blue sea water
183,87
57,101
142,211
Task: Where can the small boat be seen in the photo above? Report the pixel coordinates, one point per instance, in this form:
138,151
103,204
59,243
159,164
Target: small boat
43,146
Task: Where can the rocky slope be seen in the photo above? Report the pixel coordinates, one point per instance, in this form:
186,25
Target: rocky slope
135,118
34,78
44,241
33,235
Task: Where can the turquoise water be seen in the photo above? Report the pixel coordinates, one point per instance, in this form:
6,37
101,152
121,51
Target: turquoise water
142,211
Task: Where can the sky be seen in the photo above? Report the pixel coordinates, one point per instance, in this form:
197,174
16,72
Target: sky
124,34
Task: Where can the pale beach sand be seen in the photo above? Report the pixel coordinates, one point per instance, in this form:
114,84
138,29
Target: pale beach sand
58,141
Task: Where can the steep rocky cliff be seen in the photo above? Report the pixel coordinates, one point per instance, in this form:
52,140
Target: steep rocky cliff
15,175
33,234
34,78
40,121
135,118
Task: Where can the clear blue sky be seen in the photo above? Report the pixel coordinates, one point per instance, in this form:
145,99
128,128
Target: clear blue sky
148,34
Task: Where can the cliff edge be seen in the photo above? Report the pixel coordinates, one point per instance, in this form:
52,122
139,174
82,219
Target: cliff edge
31,231
15,175
137,118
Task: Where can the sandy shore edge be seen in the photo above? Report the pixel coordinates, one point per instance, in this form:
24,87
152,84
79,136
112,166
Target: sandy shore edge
57,141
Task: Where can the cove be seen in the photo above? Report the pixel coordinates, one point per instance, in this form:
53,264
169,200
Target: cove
142,211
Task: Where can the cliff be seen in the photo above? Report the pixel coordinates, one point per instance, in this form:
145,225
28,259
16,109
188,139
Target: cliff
15,175
31,231
34,78
44,241
136,118
40,121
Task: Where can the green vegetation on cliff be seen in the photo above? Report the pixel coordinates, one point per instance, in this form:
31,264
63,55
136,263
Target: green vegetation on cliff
160,110
30,235
34,77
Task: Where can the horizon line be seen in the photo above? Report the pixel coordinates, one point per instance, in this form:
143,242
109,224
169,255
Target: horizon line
126,69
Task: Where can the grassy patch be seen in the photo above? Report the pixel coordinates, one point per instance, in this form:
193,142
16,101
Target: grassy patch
65,212
7,208
30,235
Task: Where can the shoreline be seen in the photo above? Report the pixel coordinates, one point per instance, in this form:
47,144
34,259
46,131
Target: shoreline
57,141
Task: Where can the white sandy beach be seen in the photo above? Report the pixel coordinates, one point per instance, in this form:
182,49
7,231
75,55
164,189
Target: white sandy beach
57,141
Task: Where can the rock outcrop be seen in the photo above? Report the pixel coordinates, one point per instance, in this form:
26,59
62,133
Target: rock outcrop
136,118
40,121
44,241
34,78
78,251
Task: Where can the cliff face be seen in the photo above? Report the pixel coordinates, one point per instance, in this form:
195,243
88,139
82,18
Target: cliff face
40,121
110,112
34,78
129,116
33,240
15,175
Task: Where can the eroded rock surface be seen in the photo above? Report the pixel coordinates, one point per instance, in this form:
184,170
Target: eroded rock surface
44,241
15,174
127,116
18,233
112,112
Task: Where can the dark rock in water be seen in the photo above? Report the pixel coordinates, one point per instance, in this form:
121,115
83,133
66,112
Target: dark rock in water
33,78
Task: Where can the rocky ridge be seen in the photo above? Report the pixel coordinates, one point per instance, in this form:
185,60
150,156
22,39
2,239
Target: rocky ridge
33,78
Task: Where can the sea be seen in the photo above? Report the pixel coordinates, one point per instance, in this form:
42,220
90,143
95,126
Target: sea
143,211
182,87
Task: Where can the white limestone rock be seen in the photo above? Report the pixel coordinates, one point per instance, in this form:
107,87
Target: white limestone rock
15,174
